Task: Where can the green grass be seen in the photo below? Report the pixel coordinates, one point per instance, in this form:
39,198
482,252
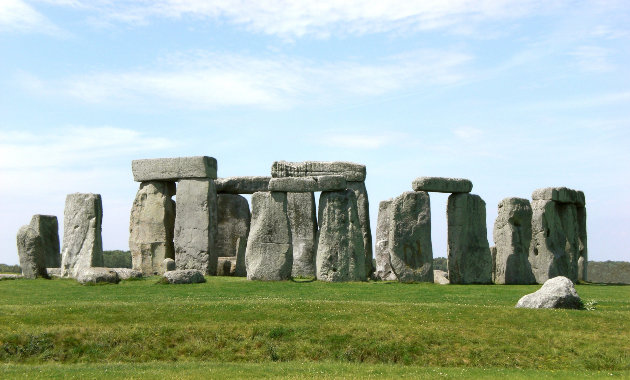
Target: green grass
282,329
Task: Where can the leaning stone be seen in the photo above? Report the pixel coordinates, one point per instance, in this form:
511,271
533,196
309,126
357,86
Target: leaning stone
556,293
31,253
184,276
340,252
54,272
303,221
242,185
168,265
442,185
512,237
151,227
363,207
97,275
559,194
350,171
233,223
469,257
126,273
82,242
410,250
226,266
269,252
196,225
47,228
383,266
308,184
174,169
440,277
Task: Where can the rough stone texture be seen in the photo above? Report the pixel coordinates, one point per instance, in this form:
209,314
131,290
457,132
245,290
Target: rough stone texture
98,275
151,227
126,273
269,252
554,250
340,252
11,276
559,194
54,272
303,222
226,266
442,185
512,237
47,228
583,248
556,293
609,272
242,185
241,268
440,277
233,223
168,265
82,242
174,169
184,276
196,226
410,250
383,265
31,253
363,207
350,170
308,184
469,258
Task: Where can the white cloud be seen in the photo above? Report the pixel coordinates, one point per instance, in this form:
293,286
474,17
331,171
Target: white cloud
18,16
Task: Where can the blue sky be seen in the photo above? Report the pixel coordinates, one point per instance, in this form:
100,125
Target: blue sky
511,95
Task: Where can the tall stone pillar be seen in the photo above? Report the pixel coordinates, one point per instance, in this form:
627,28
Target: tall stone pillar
233,225
363,207
47,227
583,260
383,265
303,220
82,241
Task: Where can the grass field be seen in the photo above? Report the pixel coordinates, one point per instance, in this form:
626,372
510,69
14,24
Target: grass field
229,327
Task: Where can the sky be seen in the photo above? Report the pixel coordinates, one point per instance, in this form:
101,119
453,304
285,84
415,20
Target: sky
513,95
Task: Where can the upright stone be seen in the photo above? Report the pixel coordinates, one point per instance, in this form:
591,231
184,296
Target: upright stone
469,258
410,250
383,265
151,227
340,251
82,242
196,226
512,237
583,260
303,221
233,228
31,253
363,207
47,228
269,252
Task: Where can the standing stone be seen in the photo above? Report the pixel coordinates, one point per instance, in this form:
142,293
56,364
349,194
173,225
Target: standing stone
340,252
303,221
151,227
31,253
583,260
233,223
196,226
47,228
512,237
82,242
410,250
469,258
363,207
383,266
269,252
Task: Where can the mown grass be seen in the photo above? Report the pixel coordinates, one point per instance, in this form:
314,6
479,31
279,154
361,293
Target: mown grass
373,326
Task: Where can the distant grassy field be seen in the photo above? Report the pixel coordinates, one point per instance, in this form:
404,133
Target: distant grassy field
229,326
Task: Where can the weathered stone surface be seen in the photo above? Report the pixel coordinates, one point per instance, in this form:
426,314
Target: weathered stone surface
512,237
340,252
383,224
31,253
556,293
241,268
410,250
174,169
583,241
242,185
363,207
609,272
469,258
303,222
126,273
196,226
350,170
269,252
168,265
82,242
184,276
559,194
554,250
442,185
47,228
308,184
233,223
96,275
226,266
10,276
440,277
54,272
151,227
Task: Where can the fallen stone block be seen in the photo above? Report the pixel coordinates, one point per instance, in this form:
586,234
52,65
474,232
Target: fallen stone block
126,273
556,293
174,169
242,185
82,241
184,276
440,277
54,272
442,185
97,276
308,184
350,171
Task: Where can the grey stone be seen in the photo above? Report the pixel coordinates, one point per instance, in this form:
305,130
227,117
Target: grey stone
242,185
554,250
556,293
47,228
127,273
97,275
151,227
512,237
340,252
559,194
410,250
184,276
350,171
31,253
363,207
226,266
609,272
54,272
583,241
233,223
303,221
383,266
168,265
174,169
308,184
10,276
82,242
269,252
440,277
469,258
241,268
442,185
196,226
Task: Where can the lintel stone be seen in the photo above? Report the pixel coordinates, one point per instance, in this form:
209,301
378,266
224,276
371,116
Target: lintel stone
349,170
560,194
442,185
173,169
308,184
242,185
